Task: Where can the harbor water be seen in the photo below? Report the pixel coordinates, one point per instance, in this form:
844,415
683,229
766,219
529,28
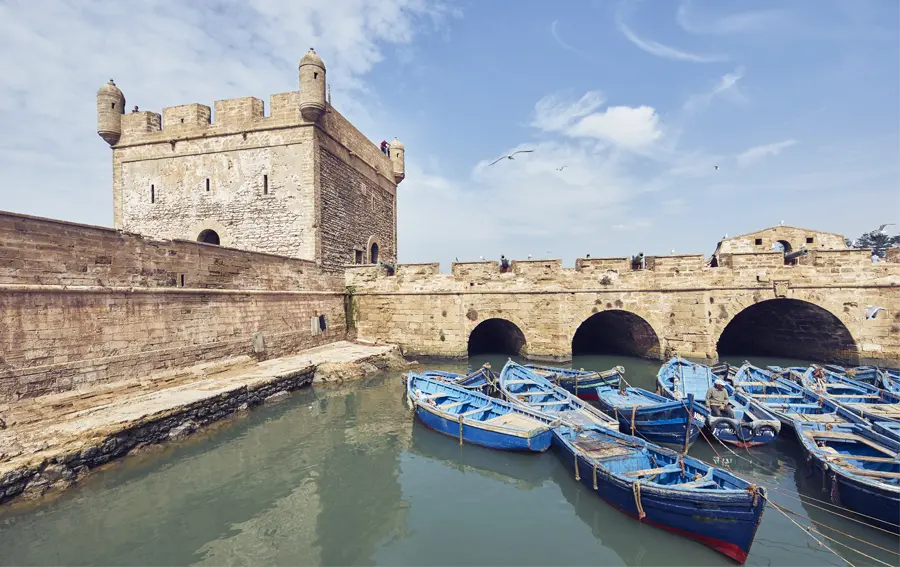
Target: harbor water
346,476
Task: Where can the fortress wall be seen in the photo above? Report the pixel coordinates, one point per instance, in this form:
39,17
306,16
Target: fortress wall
429,313
81,305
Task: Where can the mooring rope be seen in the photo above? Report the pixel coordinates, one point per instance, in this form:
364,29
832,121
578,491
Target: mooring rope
809,531
636,489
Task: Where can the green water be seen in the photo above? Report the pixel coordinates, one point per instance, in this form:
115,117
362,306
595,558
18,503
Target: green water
346,477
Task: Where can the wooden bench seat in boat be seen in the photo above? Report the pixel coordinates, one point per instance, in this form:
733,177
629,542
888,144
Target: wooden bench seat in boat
516,420
434,396
651,472
601,450
700,482
817,417
446,407
887,410
860,396
843,436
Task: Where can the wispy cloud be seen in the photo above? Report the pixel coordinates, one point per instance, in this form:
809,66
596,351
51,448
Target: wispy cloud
552,114
664,51
741,22
726,85
554,31
757,153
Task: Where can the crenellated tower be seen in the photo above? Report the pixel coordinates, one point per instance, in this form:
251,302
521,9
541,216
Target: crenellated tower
110,108
398,163
292,177
312,86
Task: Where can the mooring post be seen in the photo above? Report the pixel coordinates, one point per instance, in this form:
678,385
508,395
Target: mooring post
690,423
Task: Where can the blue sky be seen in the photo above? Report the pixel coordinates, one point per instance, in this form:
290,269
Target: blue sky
636,102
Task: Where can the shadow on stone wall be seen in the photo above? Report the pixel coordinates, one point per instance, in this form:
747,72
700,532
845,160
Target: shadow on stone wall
496,336
788,327
616,332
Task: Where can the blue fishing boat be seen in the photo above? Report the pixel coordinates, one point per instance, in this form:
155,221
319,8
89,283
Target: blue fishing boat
475,418
662,488
751,426
859,467
520,385
890,381
887,428
869,402
651,416
479,380
579,382
867,374
787,401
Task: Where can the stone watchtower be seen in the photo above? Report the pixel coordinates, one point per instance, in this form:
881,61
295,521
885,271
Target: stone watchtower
298,181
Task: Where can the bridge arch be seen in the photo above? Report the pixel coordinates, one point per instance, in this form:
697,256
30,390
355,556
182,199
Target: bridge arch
616,331
497,336
792,328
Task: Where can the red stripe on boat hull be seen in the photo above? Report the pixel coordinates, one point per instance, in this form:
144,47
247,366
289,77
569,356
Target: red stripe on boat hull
723,547
589,397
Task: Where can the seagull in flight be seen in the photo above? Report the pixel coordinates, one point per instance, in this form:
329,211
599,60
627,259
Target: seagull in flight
881,228
510,156
872,311
561,168
716,167
529,256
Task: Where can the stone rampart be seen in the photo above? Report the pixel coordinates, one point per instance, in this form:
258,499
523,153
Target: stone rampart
80,305
817,307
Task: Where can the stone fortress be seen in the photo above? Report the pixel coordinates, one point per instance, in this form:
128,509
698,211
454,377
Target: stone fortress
247,252
299,182
245,233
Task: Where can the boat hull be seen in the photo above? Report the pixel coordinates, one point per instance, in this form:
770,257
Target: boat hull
881,506
475,435
727,526
664,423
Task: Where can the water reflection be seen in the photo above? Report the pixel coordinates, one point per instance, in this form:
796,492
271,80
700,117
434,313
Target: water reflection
346,477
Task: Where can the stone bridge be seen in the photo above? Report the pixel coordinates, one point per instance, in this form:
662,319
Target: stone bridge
749,303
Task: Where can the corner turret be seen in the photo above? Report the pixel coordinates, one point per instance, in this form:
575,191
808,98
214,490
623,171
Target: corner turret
110,108
397,160
312,86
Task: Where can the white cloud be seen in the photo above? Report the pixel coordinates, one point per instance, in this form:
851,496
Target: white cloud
726,85
625,126
554,31
664,51
756,153
552,114
164,54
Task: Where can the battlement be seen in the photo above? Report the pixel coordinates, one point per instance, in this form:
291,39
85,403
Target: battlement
186,116
603,265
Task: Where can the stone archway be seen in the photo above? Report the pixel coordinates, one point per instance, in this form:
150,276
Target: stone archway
209,236
791,328
374,251
616,331
496,336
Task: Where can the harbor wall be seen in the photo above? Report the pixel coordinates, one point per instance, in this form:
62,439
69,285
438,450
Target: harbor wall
678,304
81,305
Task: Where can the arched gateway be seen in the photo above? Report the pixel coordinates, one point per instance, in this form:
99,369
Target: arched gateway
791,328
496,336
616,332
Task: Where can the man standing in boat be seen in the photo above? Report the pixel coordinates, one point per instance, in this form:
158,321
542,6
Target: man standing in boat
717,400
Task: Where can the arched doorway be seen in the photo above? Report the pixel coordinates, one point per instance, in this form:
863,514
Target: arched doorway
209,236
373,253
616,332
496,336
791,328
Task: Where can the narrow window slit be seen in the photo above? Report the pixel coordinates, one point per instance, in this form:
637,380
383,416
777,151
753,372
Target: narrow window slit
207,183
265,184
152,193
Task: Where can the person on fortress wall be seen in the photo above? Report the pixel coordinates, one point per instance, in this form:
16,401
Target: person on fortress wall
504,264
637,262
384,147
717,400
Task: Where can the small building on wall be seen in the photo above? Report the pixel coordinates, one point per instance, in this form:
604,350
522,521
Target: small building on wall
299,180
785,239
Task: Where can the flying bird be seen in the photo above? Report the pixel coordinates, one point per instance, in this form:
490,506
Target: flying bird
881,228
716,167
481,257
872,311
781,223
510,156
529,256
561,168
